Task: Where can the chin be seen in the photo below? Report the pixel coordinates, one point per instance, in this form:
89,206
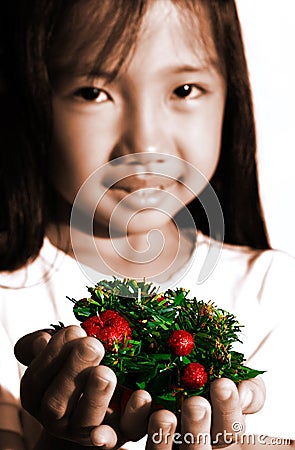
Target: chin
133,224
145,221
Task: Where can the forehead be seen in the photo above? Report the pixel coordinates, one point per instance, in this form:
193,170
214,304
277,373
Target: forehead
170,34
90,42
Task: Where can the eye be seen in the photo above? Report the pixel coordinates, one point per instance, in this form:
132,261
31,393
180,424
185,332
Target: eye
92,94
188,92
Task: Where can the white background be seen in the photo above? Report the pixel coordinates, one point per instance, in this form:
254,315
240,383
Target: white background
269,35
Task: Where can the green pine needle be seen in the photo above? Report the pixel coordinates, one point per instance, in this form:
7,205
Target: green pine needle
145,361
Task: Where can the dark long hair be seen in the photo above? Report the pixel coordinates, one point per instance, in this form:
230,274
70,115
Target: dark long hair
41,37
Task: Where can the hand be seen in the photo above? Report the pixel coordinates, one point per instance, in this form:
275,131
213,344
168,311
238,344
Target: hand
202,426
67,390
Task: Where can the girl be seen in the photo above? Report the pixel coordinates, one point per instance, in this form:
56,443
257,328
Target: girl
125,111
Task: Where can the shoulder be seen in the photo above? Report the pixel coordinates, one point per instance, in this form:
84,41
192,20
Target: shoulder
240,271
36,271
251,260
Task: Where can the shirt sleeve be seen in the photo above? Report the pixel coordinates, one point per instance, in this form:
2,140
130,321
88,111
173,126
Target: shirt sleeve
9,386
275,353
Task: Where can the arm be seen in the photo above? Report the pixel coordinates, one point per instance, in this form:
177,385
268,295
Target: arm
11,440
10,424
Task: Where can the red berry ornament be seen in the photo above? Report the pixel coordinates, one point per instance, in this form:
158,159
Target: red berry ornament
161,298
181,342
109,327
194,376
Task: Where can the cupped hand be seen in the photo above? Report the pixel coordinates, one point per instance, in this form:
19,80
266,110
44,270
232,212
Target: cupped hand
204,426
68,391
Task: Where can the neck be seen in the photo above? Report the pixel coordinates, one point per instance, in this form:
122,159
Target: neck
154,255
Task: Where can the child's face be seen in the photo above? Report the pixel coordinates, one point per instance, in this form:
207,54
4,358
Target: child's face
166,105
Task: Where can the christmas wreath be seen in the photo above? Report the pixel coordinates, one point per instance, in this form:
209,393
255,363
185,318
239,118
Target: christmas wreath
166,343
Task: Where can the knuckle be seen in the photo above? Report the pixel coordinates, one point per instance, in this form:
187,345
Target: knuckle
197,401
95,404
101,384
53,408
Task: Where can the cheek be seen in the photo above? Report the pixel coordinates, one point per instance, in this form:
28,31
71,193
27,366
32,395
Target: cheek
79,148
83,136
74,142
201,140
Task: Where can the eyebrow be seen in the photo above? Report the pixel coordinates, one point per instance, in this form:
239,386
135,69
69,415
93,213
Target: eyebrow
188,68
63,73
109,76
174,69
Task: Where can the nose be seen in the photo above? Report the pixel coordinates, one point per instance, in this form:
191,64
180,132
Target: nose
145,143
144,129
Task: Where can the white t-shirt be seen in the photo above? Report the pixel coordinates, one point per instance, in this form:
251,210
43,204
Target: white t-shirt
258,287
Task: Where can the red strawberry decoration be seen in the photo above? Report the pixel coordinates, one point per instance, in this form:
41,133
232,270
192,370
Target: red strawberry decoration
181,342
109,327
160,300
194,375
170,333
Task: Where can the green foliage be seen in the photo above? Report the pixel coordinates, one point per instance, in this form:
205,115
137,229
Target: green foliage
145,361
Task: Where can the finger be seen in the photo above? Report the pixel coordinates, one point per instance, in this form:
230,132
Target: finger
195,424
56,345
93,404
134,420
45,366
227,418
65,388
161,429
29,346
252,395
103,436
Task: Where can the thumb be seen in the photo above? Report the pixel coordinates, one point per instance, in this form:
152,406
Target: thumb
252,395
30,345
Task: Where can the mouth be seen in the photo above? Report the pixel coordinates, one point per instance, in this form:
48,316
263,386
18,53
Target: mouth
134,183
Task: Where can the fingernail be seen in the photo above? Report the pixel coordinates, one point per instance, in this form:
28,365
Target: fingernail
97,442
88,352
199,413
246,398
166,427
97,439
224,394
103,384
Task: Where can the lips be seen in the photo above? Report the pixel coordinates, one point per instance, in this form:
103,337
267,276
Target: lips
143,172
135,182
